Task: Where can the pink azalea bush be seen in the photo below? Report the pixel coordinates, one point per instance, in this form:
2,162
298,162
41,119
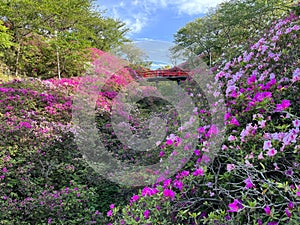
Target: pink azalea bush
43,176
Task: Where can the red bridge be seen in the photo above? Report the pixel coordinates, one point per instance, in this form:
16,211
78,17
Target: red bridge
174,73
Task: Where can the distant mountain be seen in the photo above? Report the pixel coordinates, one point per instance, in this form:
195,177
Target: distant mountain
158,64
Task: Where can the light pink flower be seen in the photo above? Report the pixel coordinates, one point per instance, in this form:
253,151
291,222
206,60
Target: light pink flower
271,152
230,167
260,156
267,145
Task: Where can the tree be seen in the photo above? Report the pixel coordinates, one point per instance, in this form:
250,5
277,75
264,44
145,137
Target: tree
227,28
56,33
134,55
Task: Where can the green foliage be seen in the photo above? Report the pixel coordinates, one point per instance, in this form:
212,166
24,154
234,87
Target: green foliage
51,37
5,38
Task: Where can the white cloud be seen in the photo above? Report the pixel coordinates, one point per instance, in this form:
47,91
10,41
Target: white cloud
189,7
195,7
137,14
137,22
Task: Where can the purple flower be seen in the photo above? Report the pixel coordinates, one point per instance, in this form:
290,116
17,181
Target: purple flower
289,172
296,75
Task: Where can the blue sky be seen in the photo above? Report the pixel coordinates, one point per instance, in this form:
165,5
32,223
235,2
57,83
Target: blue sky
155,20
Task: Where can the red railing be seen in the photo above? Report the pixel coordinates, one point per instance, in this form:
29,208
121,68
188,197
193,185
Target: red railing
162,73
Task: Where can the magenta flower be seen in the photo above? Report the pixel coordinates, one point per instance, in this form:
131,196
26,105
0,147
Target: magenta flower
251,80
249,183
167,182
283,105
291,205
288,213
169,193
135,198
197,152
169,142
112,206
234,121
235,206
178,184
198,172
109,213
273,223
149,191
212,131
161,154
267,210
146,213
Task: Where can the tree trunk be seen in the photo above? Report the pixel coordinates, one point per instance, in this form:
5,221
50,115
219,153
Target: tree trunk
58,63
17,60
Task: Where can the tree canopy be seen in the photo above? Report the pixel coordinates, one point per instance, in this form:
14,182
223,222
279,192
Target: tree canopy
225,28
51,36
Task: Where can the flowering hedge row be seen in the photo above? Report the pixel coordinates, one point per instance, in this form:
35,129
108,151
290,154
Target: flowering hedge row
43,177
